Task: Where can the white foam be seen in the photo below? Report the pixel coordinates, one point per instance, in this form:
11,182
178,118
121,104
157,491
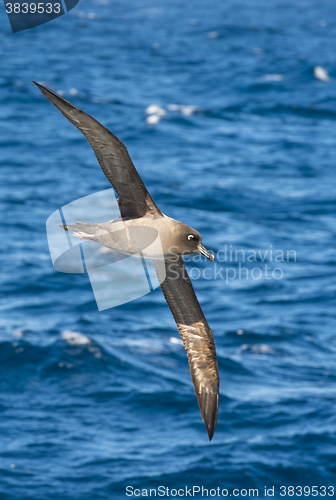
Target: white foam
86,15
185,110
73,91
262,349
213,34
152,119
75,338
154,109
273,77
188,110
321,74
175,340
258,348
18,333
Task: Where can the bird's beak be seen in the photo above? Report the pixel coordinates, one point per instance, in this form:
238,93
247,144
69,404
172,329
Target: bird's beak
204,251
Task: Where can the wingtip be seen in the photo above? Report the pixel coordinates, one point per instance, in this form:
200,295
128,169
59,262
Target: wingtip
211,431
44,90
209,410
64,106
38,85
211,427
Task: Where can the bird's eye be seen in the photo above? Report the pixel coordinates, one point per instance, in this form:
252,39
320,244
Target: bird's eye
191,237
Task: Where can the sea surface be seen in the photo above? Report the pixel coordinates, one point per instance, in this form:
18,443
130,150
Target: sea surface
232,126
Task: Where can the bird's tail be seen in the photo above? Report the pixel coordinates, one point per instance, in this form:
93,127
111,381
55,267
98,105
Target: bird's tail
83,230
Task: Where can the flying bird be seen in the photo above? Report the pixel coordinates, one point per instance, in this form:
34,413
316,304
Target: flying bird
137,209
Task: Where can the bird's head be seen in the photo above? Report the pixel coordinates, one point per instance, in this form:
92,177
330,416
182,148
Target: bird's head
188,241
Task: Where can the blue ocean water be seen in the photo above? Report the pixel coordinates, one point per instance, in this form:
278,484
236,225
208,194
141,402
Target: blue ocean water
241,146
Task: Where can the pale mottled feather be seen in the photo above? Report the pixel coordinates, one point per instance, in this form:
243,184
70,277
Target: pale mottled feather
197,338
135,203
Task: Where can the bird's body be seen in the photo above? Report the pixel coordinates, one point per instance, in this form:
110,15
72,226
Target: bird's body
133,235
142,227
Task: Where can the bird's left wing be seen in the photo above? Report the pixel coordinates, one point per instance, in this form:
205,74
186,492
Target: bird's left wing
196,335
112,155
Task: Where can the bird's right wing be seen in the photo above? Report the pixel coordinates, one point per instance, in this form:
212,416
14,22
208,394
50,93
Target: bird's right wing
196,335
112,155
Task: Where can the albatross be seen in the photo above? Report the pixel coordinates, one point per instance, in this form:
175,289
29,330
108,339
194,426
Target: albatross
137,208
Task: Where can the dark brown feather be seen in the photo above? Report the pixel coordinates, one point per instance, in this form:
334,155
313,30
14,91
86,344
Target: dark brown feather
135,201
113,157
196,335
